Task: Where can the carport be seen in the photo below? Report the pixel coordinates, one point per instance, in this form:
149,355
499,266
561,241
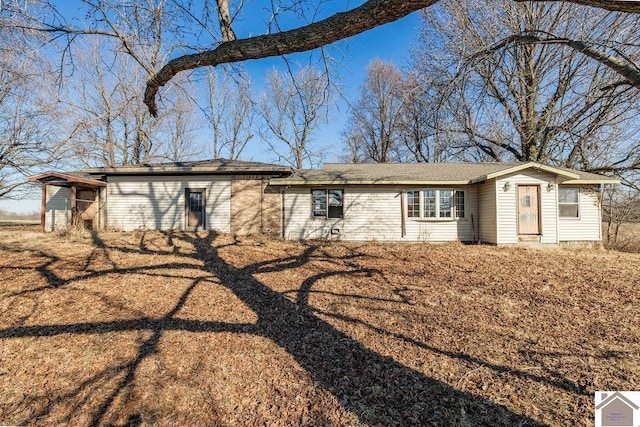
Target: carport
82,200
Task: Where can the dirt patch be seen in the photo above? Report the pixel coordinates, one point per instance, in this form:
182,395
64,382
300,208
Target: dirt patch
180,328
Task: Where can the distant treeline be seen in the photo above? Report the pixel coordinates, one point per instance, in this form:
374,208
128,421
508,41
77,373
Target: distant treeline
6,215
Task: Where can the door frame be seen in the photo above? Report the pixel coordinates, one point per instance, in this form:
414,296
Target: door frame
539,201
203,223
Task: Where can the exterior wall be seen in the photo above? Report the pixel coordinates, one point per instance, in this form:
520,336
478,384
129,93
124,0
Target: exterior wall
58,208
507,215
102,208
588,225
464,229
487,212
252,210
374,213
157,202
298,221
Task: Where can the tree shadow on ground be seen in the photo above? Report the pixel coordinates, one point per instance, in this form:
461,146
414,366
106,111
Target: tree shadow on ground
377,389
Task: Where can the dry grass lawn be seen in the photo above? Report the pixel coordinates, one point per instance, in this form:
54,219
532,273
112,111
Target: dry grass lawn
184,329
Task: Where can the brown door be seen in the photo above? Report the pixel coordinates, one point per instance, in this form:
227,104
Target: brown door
528,209
86,204
194,208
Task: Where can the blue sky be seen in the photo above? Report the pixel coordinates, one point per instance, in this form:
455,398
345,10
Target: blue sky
391,42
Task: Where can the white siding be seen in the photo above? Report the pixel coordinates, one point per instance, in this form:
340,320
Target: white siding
374,213
588,226
298,221
507,218
157,202
487,212
58,208
463,229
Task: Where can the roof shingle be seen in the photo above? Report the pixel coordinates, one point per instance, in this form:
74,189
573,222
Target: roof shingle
420,173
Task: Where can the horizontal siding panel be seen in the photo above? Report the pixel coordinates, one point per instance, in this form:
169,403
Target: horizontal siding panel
588,226
507,225
373,214
158,202
464,229
487,212
58,208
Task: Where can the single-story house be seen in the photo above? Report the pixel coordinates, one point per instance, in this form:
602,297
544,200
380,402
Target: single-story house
224,195
499,203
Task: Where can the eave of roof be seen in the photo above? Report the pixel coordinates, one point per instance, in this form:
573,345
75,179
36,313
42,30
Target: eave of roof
190,168
58,178
359,174
604,180
529,165
293,182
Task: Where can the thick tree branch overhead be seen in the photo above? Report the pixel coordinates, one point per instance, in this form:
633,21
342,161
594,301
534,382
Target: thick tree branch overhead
371,14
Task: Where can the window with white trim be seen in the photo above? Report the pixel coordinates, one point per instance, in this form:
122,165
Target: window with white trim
327,203
436,204
413,204
568,202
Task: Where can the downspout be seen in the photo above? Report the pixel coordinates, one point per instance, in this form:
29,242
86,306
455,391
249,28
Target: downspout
283,215
262,189
74,205
557,190
599,197
104,206
403,209
43,207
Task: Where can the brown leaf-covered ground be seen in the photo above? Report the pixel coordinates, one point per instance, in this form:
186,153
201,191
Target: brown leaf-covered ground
152,328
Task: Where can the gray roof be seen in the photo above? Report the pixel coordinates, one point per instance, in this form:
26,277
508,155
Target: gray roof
214,166
67,179
425,173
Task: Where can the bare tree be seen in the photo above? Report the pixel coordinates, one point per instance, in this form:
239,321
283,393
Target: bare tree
373,129
32,128
620,205
229,113
176,17
178,133
546,102
114,128
313,35
421,139
290,109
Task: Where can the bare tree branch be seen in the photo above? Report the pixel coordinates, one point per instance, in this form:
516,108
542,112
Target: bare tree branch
371,14
225,21
626,69
628,6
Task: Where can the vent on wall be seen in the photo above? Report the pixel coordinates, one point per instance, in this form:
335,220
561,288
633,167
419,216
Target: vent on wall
335,231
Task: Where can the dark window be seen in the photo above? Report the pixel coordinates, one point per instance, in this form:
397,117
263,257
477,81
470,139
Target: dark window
327,203
319,203
335,203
